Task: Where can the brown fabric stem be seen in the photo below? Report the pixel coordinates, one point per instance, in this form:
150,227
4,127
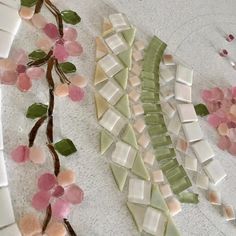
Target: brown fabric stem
56,160
69,228
34,130
38,6
61,73
50,129
42,61
47,218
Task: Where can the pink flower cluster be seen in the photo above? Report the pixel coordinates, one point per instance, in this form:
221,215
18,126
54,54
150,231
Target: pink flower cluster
221,104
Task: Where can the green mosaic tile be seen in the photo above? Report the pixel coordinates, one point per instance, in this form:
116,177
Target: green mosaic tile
154,130
129,136
106,141
188,197
168,165
123,106
129,35
139,168
149,97
126,57
175,174
163,153
171,229
148,85
122,78
154,119
160,140
151,108
180,185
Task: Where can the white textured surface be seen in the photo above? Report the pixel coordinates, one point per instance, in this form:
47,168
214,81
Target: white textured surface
190,28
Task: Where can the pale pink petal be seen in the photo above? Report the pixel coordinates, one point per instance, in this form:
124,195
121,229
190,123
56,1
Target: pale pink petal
39,21
79,81
58,191
29,225
233,91
60,209
62,90
227,93
233,109
19,56
224,143
51,31
37,155
26,12
8,77
20,154
217,94
76,93
47,181
73,48
232,149
24,82
35,73
7,65
44,44
74,194
232,134
66,177
56,229
223,129
206,95
214,120
70,34
60,52
20,69
41,200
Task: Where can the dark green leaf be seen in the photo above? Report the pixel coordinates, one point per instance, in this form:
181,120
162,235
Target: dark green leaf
65,147
68,67
37,54
36,110
28,3
70,17
201,110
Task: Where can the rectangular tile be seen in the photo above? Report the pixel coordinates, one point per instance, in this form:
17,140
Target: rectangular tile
6,42
3,172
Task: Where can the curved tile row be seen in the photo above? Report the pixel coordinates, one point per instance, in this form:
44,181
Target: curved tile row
117,85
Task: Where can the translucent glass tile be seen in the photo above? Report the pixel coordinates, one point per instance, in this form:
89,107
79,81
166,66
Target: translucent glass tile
168,110
139,45
167,92
110,65
166,190
184,75
144,140
202,181
182,145
166,75
157,176
228,212
188,197
183,92
134,95
134,81
138,109
3,172
116,43
174,125
149,158
203,151
139,191
137,55
168,60
139,125
214,197
124,154
6,42
174,206
190,163
187,113
136,69
192,131
119,21
111,92
11,230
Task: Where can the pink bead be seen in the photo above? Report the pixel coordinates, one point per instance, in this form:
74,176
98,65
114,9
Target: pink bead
74,194
230,38
19,56
58,191
66,177
41,200
232,149
223,53
35,73
20,154
39,21
36,155
60,53
44,44
51,31
79,81
76,93
223,129
60,209
224,143
70,34
214,120
62,90
73,48
26,12
56,229
24,82
8,77
7,65
47,181
21,69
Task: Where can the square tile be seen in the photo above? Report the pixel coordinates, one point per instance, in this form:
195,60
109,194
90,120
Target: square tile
184,75
192,131
124,154
149,158
138,109
202,181
6,214
116,43
6,42
139,125
166,190
139,45
111,92
157,176
134,81
154,222
174,125
139,191
190,163
3,172
215,171
174,206
214,197
167,75
110,65
136,69
228,212
183,92
137,55
182,145
203,151
144,140
167,92
167,109
134,95
187,113
119,21
168,60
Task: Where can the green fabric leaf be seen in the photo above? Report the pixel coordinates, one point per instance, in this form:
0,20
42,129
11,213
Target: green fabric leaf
28,3
70,17
201,109
37,54
65,147
36,110
68,67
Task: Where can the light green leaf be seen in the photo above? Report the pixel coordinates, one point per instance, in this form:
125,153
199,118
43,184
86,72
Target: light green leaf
68,67
36,110
70,17
65,147
37,54
28,3
201,110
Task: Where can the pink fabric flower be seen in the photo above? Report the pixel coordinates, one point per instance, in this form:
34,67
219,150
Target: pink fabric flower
62,47
60,197
14,71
